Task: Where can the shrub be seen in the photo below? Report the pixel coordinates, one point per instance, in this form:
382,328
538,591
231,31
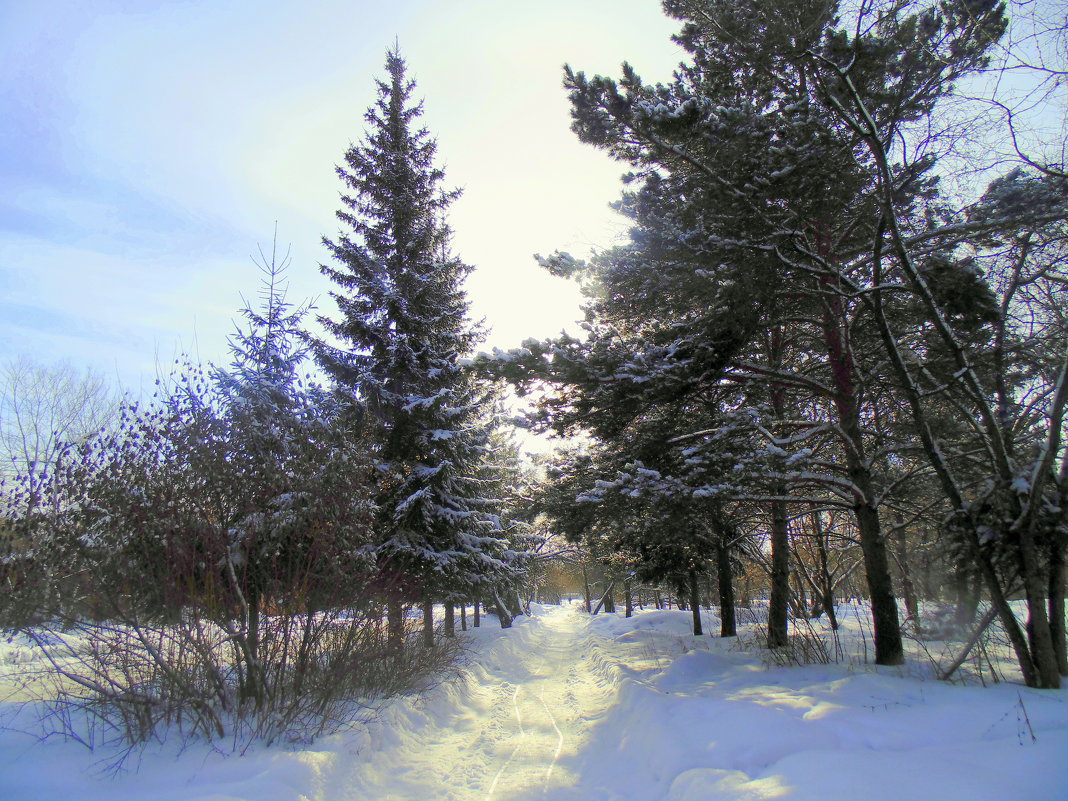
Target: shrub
210,563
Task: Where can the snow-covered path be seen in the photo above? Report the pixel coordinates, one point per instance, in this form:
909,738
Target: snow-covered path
565,707
528,706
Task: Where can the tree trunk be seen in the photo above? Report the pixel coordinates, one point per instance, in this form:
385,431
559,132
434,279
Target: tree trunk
966,600
477,612
727,626
586,588
609,599
303,659
463,617
515,606
1056,603
1046,662
937,460
988,618
253,635
450,619
779,596
695,604
628,598
254,679
778,618
889,649
1005,614
800,596
502,612
428,624
826,585
828,607
908,589
605,599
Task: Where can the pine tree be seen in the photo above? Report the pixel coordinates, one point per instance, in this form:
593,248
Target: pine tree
759,226
401,333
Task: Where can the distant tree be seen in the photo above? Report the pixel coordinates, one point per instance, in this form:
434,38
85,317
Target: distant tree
45,408
396,352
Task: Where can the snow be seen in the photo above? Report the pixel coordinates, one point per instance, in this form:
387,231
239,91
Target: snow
566,707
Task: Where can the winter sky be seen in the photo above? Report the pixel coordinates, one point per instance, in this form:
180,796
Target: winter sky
148,147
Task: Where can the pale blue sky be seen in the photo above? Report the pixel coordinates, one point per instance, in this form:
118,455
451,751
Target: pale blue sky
147,147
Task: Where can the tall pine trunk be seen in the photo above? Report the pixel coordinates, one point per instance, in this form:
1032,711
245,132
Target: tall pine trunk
800,597
1047,665
254,688
515,605
889,649
965,599
609,598
727,626
778,617
908,588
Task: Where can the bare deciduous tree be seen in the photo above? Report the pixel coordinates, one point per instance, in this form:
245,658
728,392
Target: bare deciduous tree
43,409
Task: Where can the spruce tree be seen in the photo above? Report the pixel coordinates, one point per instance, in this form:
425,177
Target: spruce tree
400,338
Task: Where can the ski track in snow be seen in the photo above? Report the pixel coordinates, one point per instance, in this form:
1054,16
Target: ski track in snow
559,744
519,723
